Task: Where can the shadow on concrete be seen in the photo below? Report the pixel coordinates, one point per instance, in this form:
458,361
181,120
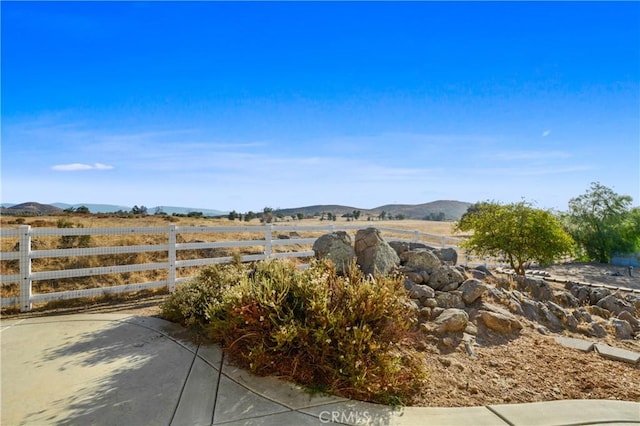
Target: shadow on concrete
118,374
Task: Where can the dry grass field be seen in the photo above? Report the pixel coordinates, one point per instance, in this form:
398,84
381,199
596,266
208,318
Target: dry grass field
110,221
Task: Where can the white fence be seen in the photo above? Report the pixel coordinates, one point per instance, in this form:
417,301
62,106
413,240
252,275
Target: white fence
25,254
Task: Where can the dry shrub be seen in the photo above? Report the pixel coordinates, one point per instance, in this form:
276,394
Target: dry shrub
347,335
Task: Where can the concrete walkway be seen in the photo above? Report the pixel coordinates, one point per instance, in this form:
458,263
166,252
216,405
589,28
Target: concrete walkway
112,369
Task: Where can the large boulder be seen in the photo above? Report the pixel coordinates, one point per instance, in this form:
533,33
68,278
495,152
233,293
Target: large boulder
421,260
374,254
337,248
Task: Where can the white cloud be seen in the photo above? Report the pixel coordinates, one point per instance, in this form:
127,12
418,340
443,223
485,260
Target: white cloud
74,167
546,133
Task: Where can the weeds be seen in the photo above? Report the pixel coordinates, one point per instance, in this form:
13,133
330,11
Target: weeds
350,335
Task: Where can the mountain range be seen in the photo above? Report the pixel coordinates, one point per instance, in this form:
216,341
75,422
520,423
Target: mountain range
452,210
54,208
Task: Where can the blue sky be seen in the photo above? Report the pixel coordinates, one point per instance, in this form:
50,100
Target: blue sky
246,105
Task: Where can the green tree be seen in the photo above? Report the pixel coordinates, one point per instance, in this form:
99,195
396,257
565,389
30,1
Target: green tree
300,216
517,232
267,215
142,210
233,215
602,222
356,214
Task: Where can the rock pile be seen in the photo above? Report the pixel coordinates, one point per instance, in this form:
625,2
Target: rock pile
453,303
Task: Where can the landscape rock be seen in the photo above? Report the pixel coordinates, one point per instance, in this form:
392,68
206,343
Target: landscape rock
374,254
421,260
435,312
582,293
451,321
634,300
472,289
504,323
483,269
597,294
633,321
514,306
445,276
622,328
430,303
479,275
582,315
450,300
415,277
597,310
549,318
571,323
615,305
448,255
566,299
403,246
536,287
558,311
529,309
337,248
471,329
596,330
420,292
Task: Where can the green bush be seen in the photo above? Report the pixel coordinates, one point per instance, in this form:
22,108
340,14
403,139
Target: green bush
351,335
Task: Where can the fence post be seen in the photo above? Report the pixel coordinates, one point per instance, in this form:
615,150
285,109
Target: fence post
171,278
25,267
416,236
443,241
267,237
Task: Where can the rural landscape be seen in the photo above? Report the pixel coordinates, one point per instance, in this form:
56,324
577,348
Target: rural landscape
483,335
312,213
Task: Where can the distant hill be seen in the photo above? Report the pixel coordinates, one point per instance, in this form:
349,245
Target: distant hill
94,208
31,208
112,208
186,210
452,210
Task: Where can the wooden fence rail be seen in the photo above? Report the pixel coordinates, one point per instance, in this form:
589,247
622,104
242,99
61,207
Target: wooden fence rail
25,254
